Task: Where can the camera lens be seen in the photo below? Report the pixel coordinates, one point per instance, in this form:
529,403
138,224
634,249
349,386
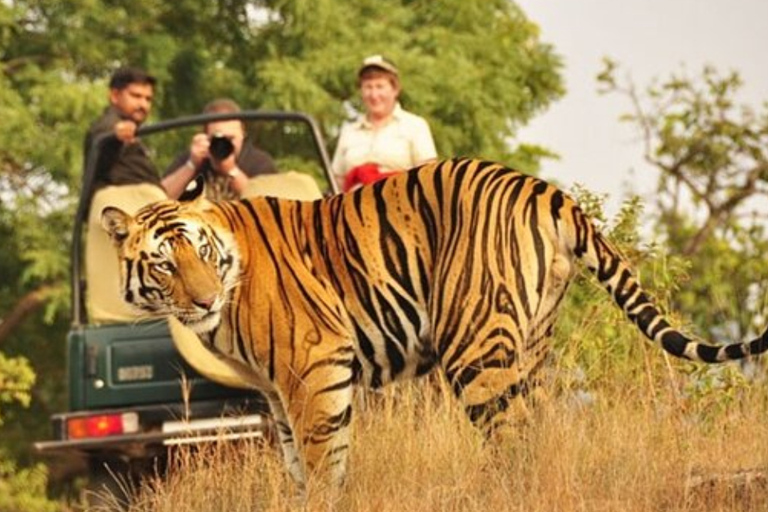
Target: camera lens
220,147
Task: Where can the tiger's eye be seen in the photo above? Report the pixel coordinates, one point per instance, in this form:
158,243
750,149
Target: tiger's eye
205,251
165,267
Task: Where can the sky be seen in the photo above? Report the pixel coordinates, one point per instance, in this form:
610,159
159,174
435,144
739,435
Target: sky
649,39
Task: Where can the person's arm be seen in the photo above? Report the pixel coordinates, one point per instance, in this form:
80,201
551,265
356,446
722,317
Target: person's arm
109,148
338,162
125,131
179,177
185,167
238,180
422,144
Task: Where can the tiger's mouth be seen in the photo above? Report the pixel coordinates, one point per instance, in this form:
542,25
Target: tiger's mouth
203,323
200,316
199,321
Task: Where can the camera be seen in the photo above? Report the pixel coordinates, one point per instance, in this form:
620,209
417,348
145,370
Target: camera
220,146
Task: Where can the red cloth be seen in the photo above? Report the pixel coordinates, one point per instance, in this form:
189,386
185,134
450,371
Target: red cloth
363,174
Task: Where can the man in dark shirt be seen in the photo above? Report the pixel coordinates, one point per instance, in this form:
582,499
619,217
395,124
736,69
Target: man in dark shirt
126,178
222,155
123,158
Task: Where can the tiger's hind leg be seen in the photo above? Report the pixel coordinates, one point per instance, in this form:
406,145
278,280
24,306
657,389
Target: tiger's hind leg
481,354
499,347
492,390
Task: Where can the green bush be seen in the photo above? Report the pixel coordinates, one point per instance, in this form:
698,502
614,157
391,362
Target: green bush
24,490
599,350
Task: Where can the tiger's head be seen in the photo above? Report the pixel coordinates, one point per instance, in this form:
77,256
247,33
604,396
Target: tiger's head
174,262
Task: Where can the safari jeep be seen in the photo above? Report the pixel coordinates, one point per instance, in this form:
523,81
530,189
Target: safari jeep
132,397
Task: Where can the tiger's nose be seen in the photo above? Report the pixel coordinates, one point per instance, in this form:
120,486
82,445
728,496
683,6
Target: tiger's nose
205,303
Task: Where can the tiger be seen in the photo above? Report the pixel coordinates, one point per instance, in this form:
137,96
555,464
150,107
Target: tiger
457,266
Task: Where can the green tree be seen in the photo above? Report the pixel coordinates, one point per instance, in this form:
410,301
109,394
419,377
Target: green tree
24,489
476,69
712,154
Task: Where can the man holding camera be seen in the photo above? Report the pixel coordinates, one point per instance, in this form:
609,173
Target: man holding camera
220,156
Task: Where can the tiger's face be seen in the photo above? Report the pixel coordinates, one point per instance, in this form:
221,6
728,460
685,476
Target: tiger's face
172,262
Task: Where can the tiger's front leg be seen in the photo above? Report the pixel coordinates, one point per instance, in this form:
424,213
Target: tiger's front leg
291,456
317,401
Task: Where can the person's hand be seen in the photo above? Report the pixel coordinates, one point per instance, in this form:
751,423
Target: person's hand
237,179
125,131
364,174
198,149
225,166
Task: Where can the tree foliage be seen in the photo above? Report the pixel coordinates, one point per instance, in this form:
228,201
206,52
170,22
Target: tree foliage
476,69
712,154
601,354
24,489
16,379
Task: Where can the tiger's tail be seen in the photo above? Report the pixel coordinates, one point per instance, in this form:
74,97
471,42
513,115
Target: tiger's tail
614,273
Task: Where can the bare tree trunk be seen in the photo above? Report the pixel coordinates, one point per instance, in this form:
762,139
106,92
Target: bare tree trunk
23,308
695,243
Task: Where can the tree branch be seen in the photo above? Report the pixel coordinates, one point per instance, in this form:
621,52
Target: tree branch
23,308
694,244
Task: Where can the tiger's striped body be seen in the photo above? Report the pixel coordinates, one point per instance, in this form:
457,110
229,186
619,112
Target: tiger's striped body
458,264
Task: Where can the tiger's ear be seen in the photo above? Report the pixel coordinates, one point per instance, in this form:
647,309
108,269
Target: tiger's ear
193,196
194,189
116,223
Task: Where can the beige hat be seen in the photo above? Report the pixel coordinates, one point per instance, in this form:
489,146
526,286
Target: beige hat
379,62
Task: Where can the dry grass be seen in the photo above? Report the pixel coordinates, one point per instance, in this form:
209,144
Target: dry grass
413,450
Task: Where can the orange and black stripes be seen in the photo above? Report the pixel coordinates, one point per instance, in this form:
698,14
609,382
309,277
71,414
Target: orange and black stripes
460,264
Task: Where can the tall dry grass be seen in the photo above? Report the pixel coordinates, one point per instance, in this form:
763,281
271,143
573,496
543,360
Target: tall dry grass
413,450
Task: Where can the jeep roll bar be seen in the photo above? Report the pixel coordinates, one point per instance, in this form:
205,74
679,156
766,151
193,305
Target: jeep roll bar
79,314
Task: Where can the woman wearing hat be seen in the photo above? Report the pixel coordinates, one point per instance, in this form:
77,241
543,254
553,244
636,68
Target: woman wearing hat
386,138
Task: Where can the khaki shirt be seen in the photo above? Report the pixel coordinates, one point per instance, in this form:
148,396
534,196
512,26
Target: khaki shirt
404,142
